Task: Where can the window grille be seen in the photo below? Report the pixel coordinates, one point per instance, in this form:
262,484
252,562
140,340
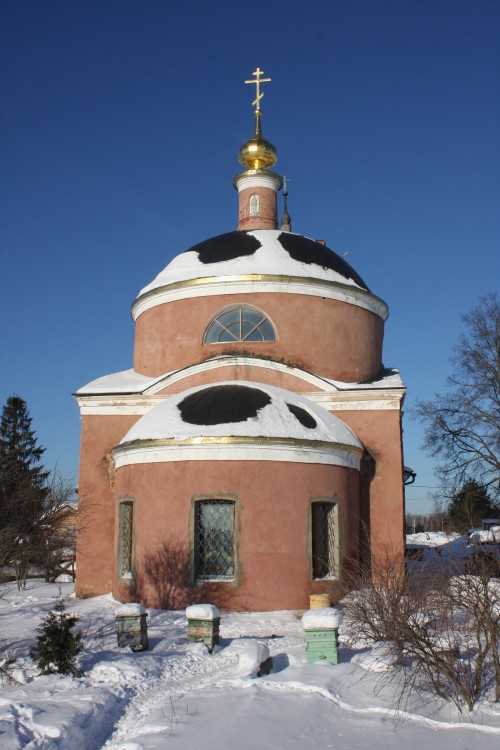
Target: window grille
214,540
239,324
125,541
324,552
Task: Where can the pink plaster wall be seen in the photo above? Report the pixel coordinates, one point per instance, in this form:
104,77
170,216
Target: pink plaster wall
162,491
381,435
267,218
242,372
329,338
273,533
95,550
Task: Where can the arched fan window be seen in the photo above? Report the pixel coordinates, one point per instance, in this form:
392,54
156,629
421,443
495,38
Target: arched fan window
239,323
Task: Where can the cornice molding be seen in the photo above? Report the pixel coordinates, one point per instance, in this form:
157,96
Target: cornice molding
123,405
238,361
332,396
250,283
232,448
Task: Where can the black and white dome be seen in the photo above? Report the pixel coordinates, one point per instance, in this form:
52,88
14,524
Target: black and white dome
238,420
262,251
261,260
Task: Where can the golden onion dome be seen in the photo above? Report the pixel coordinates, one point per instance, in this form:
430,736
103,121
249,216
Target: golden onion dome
257,153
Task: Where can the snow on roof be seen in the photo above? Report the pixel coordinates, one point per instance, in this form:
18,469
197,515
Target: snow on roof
275,419
130,381
390,378
263,251
126,381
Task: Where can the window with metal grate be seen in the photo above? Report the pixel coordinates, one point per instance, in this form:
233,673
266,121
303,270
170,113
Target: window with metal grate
214,540
125,539
324,548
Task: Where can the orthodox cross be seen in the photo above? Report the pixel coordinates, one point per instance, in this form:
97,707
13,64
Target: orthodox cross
286,180
257,80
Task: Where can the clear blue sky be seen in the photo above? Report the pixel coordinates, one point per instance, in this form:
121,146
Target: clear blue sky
120,127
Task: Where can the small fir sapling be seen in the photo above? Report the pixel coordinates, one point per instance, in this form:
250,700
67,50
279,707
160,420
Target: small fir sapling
57,645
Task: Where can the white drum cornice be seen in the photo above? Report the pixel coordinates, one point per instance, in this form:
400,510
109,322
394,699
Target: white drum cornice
237,449
210,286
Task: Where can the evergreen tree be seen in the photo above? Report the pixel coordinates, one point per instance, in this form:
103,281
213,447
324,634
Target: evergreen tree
57,645
19,450
22,485
469,506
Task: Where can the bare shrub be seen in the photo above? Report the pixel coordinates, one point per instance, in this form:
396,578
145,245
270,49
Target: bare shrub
444,624
37,528
9,667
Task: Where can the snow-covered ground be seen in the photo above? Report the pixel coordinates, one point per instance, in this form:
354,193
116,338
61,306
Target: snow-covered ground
436,539
178,695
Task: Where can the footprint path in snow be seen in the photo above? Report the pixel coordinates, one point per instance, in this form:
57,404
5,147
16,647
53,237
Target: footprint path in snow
181,675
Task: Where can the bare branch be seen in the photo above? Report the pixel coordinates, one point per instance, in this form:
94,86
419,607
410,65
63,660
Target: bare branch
462,427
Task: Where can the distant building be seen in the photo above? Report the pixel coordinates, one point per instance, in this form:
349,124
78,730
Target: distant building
254,452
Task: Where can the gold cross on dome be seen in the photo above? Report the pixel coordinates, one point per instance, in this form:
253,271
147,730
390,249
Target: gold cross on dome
258,80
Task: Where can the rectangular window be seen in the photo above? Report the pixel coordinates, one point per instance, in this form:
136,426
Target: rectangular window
324,550
125,539
214,540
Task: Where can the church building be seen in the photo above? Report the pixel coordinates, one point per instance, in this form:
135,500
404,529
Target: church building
253,455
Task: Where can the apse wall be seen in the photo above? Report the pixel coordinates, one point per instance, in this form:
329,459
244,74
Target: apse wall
272,531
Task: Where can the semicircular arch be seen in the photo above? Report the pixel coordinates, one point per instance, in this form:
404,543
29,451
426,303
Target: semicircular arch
239,323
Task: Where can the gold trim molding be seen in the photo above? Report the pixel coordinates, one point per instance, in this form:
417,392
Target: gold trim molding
349,290
231,440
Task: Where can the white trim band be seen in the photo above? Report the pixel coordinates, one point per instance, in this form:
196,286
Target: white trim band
238,361
125,455
214,286
101,406
252,180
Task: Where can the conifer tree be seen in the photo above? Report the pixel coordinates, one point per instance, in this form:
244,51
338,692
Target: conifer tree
19,449
469,506
22,484
34,506
57,645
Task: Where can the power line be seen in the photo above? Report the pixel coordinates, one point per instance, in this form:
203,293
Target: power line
424,486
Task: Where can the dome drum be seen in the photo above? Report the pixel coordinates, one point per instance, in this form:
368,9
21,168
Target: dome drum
325,336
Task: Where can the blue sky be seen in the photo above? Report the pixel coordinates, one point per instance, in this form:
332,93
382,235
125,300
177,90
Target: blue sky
120,127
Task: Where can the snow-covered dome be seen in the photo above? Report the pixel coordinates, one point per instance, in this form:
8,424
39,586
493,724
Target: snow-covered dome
264,258
244,414
262,251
